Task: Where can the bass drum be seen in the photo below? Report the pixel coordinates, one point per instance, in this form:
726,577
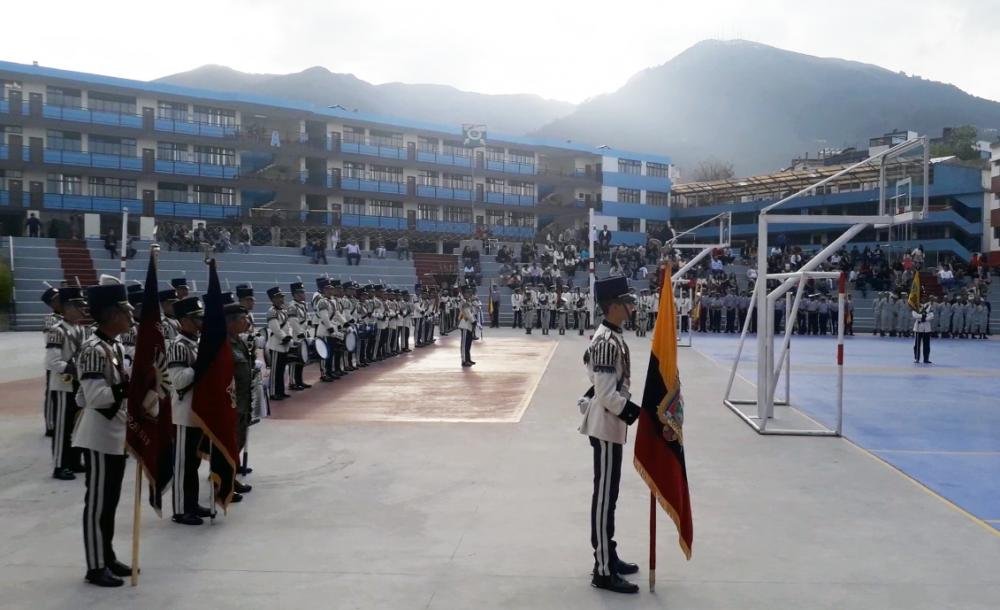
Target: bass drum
351,341
319,346
305,353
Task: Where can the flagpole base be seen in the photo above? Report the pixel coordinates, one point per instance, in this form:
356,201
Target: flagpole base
652,581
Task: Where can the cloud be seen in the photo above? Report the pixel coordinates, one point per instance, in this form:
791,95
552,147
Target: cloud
555,48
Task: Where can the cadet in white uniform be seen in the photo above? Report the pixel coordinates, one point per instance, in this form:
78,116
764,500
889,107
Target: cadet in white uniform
182,353
51,299
279,335
62,343
467,316
100,430
298,320
607,412
516,299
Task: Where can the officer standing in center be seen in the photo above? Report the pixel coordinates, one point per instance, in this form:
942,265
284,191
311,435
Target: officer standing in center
607,412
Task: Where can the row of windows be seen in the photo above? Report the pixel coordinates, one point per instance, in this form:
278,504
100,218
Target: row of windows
634,168
113,145
124,188
426,211
126,104
656,198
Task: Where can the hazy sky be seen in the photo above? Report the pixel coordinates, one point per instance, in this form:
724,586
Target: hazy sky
558,49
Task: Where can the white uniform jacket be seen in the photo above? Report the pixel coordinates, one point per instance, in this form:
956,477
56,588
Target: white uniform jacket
277,330
182,353
101,397
609,411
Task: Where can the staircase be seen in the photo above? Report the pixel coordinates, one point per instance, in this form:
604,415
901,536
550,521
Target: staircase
76,262
425,263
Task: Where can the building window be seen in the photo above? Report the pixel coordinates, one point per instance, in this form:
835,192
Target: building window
354,170
521,156
64,140
385,138
63,97
628,224
115,188
354,135
214,116
495,217
62,184
494,153
657,198
174,111
658,170
427,145
385,173
655,227
109,145
456,214
388,209
456,181
171,151
109,102
426,211
628,195
456,149
214,195
495,185
630,166
354,205
427,177
522,188
171,191
517,219
215,155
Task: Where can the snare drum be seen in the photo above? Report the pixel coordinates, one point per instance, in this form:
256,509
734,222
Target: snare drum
319,346
304,351
351,341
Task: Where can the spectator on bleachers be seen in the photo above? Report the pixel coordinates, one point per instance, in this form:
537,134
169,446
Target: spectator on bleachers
111,243
245,241
353,252
402,248
33,225
380,249
319,251
276,221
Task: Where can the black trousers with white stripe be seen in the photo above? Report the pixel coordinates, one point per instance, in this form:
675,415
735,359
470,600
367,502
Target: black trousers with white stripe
105,472
466,345
186,462
607,477
64,455
278,362
50,420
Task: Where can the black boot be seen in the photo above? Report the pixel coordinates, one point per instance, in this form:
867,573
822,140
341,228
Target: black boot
614,583
103,578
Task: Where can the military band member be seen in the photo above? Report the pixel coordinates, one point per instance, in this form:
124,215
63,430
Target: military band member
349,308
325,324
51,299
254,341
467,326
171,328
340,319
406,319
180,286
279,336
516,299
128,338
298,320
243,366
529,304
62,344
494,306
100,430
607,412
182,353
642,313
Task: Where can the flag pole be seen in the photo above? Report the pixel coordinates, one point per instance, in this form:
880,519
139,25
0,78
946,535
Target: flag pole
136,515
124,242
652,542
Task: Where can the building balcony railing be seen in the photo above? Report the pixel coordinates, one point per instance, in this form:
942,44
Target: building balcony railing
510,167
373,150
195,210
91,203
510,198
95,117
443,159
374,186
56,156
317,179
4,106
191,128
192,168
445,226
373,222
4,198
508,231
4,151
443,192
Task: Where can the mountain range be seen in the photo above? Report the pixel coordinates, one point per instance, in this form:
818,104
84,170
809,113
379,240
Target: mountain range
746,103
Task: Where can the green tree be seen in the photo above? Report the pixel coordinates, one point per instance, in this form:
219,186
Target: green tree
959,141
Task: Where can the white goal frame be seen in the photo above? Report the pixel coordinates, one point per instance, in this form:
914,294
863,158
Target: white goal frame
768,372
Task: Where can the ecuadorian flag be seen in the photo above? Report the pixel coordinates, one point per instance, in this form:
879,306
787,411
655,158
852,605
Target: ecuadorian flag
659,442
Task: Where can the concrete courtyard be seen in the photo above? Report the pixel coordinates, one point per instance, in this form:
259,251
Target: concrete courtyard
354,507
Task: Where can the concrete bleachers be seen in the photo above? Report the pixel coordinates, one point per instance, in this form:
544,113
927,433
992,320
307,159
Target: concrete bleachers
36,260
